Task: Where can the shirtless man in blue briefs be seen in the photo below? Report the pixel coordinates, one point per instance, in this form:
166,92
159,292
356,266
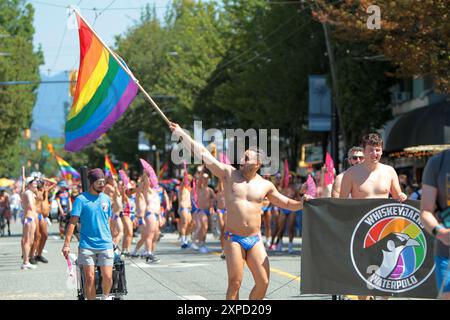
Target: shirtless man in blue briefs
244,194
205,206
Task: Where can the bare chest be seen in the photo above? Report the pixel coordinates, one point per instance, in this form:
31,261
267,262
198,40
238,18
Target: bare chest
249,191
376,184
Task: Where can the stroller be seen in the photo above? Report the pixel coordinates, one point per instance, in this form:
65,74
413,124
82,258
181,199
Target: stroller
119,285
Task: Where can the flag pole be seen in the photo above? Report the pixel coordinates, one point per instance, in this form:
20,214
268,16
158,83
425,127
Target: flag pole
147,96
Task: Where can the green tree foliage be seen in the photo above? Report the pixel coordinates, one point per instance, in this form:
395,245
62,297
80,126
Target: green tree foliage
263,79
173,61
414,35
16,102
363,91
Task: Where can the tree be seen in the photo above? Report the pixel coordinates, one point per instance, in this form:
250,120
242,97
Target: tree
262,80
414,35
16,102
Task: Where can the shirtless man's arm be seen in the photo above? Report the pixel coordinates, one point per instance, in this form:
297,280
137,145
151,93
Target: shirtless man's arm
346,185
282,201
337,186
218,168
396,190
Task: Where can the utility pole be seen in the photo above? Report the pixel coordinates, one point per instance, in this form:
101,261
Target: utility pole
335,114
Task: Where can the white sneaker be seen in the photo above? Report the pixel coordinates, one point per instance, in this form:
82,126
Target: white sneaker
194,246
203,249
291,247
108,297
28,266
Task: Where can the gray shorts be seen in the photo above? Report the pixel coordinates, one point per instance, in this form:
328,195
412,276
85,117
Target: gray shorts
93,257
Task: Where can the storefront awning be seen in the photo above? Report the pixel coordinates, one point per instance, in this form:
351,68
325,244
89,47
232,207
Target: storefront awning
426,128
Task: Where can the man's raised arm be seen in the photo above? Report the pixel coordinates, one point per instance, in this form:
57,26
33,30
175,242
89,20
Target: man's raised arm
216,167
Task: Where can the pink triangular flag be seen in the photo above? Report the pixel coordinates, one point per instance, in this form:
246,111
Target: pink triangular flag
123,176
151,173
224,158
311,187
329,175
194,186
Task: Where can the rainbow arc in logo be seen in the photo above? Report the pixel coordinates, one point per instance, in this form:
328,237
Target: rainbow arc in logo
411,258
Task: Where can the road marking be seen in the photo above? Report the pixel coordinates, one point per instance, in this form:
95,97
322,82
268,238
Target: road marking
171,265
55,237
282,273
277,271
192,298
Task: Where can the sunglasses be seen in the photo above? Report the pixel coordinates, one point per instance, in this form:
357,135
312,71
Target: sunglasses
357,157
100,182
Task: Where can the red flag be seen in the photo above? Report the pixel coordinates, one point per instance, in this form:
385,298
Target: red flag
329,175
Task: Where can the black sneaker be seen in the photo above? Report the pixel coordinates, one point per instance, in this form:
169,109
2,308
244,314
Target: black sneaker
33,260
41,259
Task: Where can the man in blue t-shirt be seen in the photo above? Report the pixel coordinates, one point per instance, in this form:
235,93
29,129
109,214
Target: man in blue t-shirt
93,210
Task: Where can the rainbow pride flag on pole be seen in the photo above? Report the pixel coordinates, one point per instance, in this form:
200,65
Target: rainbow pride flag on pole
105,88
67,171
109,168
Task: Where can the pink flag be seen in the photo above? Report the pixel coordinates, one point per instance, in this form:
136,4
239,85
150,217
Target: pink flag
329,175
151,173
194,186
185,179
123,176
223,158
286,174
311,186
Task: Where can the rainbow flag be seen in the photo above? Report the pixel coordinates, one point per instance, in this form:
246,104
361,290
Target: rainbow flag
109,168
67,171
163,169
104,91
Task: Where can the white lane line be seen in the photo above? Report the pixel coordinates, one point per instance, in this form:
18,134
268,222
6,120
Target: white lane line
171,265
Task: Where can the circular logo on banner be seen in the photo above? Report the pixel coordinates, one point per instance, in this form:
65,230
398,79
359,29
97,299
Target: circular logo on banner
388,248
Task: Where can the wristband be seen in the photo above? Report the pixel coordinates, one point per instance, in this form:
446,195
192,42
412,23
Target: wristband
436,229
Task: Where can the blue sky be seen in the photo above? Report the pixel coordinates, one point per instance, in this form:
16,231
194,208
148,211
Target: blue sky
60,43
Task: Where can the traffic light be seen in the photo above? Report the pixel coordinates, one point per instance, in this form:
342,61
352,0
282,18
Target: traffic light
73,82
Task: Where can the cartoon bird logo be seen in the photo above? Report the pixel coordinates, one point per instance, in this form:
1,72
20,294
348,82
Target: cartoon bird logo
390,248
